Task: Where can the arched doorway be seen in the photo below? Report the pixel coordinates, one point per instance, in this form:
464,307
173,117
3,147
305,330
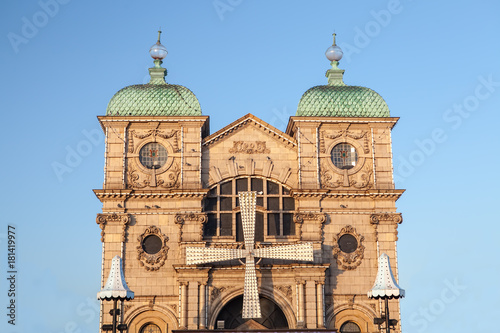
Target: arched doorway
272,316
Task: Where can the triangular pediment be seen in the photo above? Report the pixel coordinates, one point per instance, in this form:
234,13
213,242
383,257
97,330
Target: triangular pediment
244,122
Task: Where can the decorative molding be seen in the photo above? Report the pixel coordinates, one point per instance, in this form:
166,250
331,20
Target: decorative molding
310,217
103,219
217,292
286,290
154,133
362,179
152,262
172,176
196,220
395,218
348,261
249,147
391,217
344,133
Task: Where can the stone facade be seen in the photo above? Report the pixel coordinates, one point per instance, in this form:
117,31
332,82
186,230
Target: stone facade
172,203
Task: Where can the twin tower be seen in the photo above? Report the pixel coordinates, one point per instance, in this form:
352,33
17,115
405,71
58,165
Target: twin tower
170,184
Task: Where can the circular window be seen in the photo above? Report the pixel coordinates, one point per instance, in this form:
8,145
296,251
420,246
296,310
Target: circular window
348,244
150,328
153,155
350,327
344,156
152,244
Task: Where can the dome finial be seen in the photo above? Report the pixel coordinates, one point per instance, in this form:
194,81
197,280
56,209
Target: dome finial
158,52
334,54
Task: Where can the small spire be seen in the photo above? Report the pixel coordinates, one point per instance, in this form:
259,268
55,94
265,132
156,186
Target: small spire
334,54
159,34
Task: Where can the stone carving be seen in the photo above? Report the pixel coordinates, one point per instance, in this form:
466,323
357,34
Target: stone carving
337,134
395,218
172,176
152,262
361,179
195,222
217,292
103,219
154,133
286,290
348,261
249,147
311,217
171,181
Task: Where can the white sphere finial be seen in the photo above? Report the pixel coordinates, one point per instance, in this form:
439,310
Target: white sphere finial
158,51
334,53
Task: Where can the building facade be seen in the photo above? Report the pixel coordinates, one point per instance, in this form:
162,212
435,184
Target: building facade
169,183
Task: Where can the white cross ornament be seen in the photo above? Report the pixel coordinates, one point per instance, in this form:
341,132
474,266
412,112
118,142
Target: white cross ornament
203,255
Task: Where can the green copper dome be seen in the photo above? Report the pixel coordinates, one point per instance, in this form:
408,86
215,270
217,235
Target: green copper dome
342,101
154,99
338,99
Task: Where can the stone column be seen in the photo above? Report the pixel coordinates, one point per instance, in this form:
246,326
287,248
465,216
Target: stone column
310,304
203,306
184,304
301,321
319,302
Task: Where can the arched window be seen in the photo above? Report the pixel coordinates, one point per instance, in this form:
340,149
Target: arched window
274,215
350,327
150,328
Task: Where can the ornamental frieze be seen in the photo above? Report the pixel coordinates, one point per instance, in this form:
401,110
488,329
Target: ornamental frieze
249,147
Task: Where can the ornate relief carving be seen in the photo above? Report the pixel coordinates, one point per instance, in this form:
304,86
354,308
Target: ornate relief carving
352,260
171,181
172,176
197,218
361,179
103,219
285,290
173,307
318,218
152,262
249,147
392,217
395,218
217,292
353,135
154,133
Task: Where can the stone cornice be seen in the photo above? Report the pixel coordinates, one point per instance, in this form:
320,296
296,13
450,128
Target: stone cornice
107,194
373,194
294,120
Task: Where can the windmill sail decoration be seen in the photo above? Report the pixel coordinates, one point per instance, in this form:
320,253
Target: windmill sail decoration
203,255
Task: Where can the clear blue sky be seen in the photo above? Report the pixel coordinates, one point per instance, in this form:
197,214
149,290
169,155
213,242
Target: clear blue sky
435,63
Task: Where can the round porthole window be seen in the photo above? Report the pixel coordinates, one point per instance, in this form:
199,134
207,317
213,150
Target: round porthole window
348,243
153,155
344,156
152,244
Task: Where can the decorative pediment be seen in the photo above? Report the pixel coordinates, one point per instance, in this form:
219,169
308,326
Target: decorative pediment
243,122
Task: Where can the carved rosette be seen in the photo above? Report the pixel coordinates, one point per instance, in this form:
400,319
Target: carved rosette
316,218
196,220
103,219
395,218
348,261
249,147
152,262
